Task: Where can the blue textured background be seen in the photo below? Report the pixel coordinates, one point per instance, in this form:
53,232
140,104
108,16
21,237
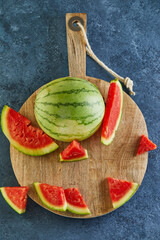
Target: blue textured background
126,36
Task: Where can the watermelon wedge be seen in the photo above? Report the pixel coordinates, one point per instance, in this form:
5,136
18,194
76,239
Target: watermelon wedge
75,202
73,152
16,197
120,191
23,136
145,145
52,197
113,112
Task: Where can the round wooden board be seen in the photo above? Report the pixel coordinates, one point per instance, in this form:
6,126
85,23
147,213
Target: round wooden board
117,160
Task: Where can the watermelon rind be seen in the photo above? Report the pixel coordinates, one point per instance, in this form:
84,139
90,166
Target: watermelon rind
45,202
12,205
74,159
33,152
69,109
110,139
124,199
78,210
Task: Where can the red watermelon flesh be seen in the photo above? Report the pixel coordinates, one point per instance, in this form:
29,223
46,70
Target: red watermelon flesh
51,196
75,201
145,145
23,136
73,152
120,191
113,112
16,197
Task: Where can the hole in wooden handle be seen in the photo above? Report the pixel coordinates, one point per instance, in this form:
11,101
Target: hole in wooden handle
72,23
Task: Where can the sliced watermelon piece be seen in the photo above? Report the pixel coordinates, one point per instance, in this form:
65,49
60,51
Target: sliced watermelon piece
75,202
52,197
120,191
73,152
145,145
16,197
113,112
23,136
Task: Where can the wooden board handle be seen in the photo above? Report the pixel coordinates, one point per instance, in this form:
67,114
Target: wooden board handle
76,45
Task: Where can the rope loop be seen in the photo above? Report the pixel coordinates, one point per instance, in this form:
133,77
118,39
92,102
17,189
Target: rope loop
126,81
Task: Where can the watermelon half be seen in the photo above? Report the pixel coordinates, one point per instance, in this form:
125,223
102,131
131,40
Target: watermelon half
69,109
113,112
73,152
145,145
120,191
16,197
52,197
75,202
23,136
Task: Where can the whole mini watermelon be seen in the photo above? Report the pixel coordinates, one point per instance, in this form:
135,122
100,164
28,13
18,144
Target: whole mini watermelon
69,108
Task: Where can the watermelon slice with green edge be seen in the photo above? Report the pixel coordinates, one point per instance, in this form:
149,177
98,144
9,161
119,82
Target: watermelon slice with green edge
120,191
23,136
113,112
16,197
145,145
73,152
75,202
52,197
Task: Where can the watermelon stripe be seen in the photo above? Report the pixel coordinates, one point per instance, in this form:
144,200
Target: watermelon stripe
74,136
74,104
79,123
48,120
93,120
50,114
73,91
63,126
59,134
62,116
68,79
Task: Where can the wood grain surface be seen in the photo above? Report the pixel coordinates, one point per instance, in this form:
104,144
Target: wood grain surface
116,160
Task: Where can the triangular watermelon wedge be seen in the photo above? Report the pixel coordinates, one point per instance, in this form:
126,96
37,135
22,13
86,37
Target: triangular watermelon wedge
23,136
51,196
120,191
73,152
113,112
16,197
145,145
75,202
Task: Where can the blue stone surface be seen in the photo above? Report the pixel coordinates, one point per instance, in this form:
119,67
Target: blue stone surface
33,51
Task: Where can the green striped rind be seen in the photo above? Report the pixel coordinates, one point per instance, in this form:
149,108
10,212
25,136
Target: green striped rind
45,202
127,196
74,159
12,205
29,151
110,139
69,109
78,210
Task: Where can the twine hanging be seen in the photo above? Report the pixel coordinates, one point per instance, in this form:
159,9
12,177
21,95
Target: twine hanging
126,81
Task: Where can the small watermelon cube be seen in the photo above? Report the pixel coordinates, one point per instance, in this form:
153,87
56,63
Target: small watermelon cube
145,145
73,152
